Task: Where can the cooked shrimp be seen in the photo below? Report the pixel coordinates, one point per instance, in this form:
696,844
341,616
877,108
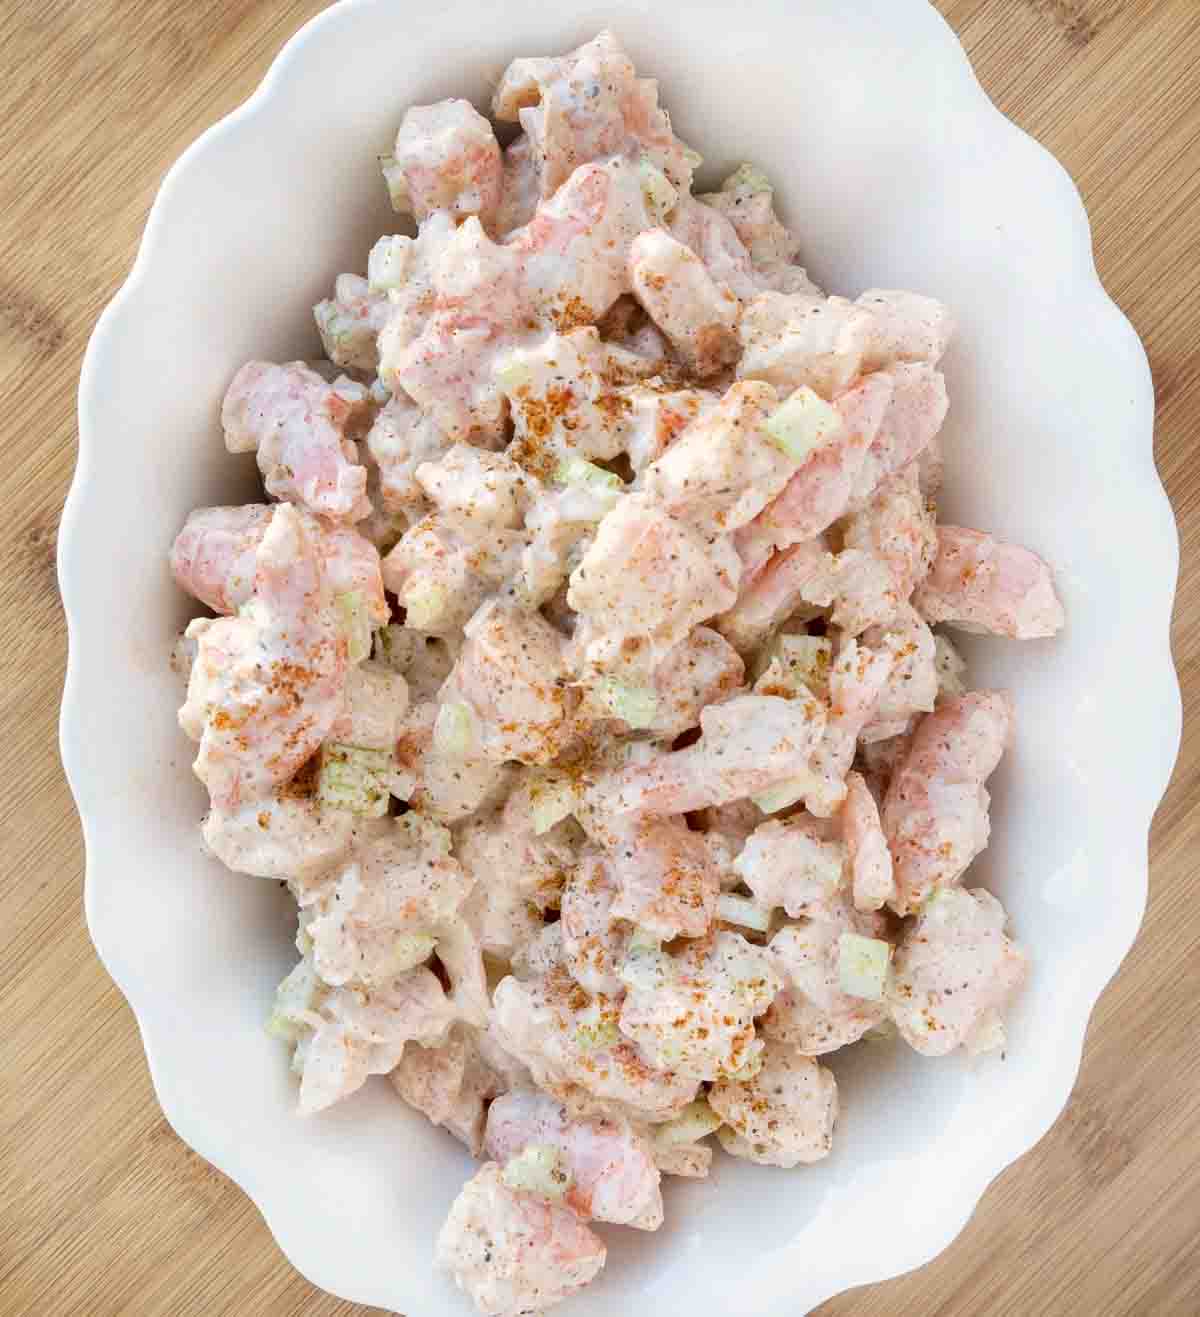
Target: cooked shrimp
747,199
818,494
446,157
358,1032
693,1012
936,812
511,679
906,327
296,423
782,1116
796,864
280,836
798,579
722,471
703,669
451,1084
593,938
897,527
867,853
813,1013
955,970
665,878
798,339
350,322
910,424
679,295
575,1051
266,686
611,1170
381,913
401,440
515,1253
489,488
748,744
912,684
981,583
644,583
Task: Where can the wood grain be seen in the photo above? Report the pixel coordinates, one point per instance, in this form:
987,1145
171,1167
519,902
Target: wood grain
102,1210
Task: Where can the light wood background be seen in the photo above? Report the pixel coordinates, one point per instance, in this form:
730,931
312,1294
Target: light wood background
102,1210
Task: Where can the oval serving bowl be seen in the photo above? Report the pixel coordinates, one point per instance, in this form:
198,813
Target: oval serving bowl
896,171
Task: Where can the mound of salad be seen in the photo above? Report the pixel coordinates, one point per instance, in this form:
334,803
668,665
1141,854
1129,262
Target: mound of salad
577,672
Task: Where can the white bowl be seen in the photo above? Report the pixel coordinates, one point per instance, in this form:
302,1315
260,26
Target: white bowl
897,171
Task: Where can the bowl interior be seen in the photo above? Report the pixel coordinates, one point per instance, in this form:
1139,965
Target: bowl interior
896,172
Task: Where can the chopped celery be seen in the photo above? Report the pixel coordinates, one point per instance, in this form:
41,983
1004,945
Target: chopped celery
802,423
356,623
635,705
740,910
656,189
297,996
749,178
863,965
410,950
454,729
695,1122
355,779
574,470
551,801
597,1035
387,265
397,188
540,1168
424,605
513,375
783,794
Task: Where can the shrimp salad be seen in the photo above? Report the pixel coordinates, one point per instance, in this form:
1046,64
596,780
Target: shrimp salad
577,673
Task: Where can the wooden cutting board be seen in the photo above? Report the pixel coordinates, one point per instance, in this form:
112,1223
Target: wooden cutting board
102,1210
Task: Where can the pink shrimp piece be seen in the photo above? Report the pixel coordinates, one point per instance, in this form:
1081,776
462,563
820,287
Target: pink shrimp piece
296,423
214,556
796,864
679,295
694,1011
266,687
747,200
981,583
906,327
586,105
593,939
954,972
283,836
361,1032
445,786
374,710
401,440
612,1170
910,424
574,252
812,1013
898,527
784,1115
501,907
711,235
350,322
794,340
644,583
520,189
511,677
447,158
804,574
857,678
666,880
817,495
397,885
515,1253
722,471
444,567
489,488
654,420
574,1049
703,669
451,1084
912,684
935,815
867,851
748,744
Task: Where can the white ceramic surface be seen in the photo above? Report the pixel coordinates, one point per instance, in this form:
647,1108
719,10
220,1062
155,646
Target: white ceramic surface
897,171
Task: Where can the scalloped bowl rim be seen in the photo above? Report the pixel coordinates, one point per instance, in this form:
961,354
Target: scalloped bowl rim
219,1145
